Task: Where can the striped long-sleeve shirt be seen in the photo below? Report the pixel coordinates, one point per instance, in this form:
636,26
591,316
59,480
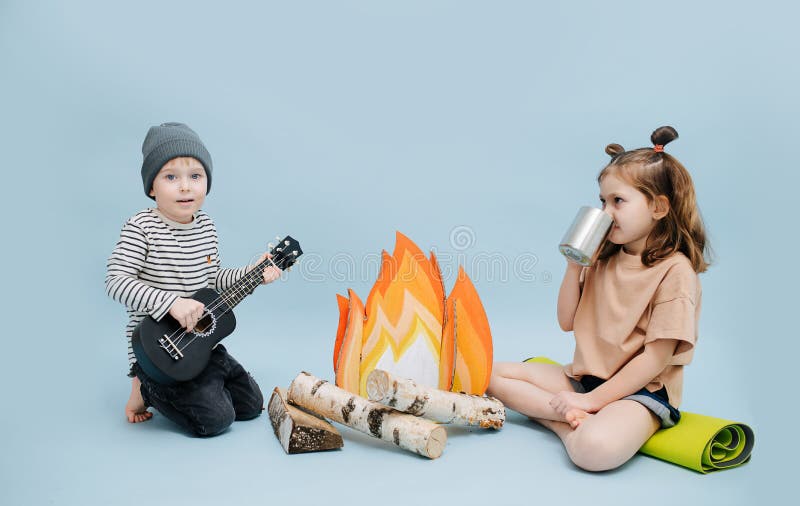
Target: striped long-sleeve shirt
157,260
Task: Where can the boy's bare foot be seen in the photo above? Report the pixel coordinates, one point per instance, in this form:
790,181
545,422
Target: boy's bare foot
575,417
135,410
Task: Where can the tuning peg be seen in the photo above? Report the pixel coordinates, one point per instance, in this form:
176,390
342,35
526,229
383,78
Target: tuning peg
294,252
270,245
286,243
278,238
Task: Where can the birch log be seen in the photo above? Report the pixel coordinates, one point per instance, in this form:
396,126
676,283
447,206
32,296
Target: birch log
408,432
434,404
298,431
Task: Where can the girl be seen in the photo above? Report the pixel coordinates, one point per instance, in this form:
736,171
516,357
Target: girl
634,314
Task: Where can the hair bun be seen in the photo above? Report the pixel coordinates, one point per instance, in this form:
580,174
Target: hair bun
663,135
614,150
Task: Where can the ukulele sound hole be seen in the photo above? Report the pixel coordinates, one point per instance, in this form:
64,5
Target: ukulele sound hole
204,325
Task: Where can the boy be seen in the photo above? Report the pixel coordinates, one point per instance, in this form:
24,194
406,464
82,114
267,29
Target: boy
163,256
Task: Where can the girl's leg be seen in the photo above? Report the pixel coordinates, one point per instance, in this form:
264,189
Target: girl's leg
601,442
528,387
610,437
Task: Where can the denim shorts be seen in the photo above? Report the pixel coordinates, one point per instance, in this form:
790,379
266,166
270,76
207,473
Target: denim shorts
657,402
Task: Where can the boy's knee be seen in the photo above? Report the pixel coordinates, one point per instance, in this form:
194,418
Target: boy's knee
213,422
259,398
252,408
248,415
248,402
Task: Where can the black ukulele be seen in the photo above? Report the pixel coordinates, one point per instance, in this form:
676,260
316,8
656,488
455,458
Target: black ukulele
168,353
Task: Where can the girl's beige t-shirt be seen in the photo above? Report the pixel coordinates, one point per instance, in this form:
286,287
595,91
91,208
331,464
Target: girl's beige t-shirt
625,305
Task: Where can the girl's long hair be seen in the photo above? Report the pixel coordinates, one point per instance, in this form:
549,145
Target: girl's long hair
654,172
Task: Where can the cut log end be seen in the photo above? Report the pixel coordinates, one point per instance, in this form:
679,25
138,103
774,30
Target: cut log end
378,385
312,439
436,443
299,431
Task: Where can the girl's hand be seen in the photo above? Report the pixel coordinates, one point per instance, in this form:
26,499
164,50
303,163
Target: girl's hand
564,402
271,273
187,312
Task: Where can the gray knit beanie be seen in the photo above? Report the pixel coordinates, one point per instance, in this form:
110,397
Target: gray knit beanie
168,141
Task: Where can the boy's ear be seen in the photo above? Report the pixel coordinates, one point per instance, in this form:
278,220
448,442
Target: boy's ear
660,207
152,192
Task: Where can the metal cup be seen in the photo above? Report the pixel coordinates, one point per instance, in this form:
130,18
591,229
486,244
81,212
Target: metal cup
584,237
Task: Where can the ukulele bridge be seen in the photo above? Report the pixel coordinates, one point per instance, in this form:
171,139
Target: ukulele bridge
170,347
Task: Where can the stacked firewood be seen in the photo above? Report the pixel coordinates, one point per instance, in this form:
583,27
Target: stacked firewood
398,411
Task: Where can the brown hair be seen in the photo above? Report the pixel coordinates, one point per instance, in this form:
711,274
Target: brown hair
654,173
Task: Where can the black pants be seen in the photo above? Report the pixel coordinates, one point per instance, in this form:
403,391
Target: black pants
209,403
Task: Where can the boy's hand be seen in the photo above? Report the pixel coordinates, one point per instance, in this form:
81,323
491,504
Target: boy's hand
271,273
187,312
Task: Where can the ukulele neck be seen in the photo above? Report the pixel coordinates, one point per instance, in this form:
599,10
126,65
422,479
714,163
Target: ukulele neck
245,285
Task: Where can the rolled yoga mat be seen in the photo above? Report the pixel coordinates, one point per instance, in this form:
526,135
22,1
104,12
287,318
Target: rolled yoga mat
699,442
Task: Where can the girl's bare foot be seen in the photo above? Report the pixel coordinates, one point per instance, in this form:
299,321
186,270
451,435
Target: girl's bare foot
575,416
135,410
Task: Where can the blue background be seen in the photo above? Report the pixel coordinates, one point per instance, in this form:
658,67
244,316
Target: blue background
339,123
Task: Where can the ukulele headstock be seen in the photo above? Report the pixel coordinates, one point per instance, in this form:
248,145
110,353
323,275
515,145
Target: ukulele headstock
286,252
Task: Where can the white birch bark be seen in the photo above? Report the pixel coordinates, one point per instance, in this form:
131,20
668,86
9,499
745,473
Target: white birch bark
434,404
408,432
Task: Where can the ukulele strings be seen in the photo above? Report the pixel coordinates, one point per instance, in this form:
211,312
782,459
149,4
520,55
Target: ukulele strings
216,304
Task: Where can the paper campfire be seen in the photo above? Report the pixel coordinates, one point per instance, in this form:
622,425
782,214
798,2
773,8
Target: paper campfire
409,328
